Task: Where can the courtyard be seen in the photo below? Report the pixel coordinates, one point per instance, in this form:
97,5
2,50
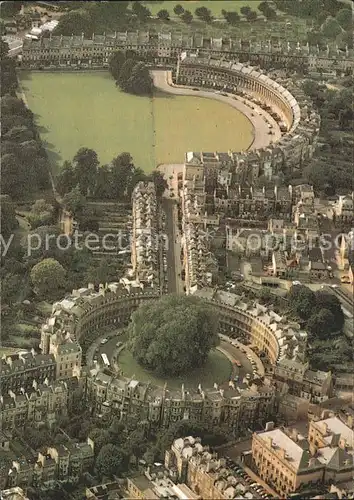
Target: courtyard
86,109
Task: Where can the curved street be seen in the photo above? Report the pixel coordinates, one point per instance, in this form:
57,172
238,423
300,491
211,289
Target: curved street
262,139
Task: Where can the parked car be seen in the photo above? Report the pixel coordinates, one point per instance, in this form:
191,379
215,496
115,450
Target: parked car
104,341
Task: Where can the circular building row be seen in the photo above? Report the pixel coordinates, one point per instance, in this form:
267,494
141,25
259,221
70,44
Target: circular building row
283,100
88,310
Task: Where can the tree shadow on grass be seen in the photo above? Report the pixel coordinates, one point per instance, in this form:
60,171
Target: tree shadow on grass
42,130
48,145
25,75
158,94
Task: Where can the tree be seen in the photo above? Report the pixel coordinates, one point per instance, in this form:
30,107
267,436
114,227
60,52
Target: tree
320,323
122,168
141,12
104,187
345,39
252,15
8,216
163,14
74,201
110,461
10,285
104,272
173,335
267,11
178,10
231,17
66,179
204,14
331,28
270,13
85,164
345,18
187,17
125,73
116,62
19,134
245,10
160,183
265,295
330,302
13,176
8,70
75,22
263,6
48,276
302,301
140,81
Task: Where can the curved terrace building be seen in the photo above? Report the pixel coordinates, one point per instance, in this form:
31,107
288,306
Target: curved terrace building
286,102
88,310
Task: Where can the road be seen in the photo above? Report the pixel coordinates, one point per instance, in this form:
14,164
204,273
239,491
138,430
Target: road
262,138
241,357
174,266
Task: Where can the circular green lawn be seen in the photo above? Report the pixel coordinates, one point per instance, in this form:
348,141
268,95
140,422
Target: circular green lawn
217,369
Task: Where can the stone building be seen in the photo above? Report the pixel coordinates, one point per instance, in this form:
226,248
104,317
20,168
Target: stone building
145,243
234,407
19,371
287,103
288,461
53,463
202,471
163,48
40,405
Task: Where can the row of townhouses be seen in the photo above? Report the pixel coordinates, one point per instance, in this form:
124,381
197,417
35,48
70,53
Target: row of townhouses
233,407
67,51
51,463
145,246
282,99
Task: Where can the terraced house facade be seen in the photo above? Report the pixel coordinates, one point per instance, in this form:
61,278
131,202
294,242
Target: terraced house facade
78,51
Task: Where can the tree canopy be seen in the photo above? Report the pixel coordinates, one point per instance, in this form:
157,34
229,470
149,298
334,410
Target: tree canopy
321,311
109,461
173,335
302,301
23,159
48,276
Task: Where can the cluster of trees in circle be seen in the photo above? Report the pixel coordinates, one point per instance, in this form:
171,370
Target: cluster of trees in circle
173,335
130,73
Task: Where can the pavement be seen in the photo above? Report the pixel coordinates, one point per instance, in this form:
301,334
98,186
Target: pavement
256,116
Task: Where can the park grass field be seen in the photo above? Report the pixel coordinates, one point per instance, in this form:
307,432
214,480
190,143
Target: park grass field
216,370
76,110
216,6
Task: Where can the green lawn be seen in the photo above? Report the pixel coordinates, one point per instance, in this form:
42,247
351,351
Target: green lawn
74,110
216,6
217,369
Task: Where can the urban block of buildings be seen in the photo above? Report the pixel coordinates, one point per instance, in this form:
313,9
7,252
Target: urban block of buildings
78,51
